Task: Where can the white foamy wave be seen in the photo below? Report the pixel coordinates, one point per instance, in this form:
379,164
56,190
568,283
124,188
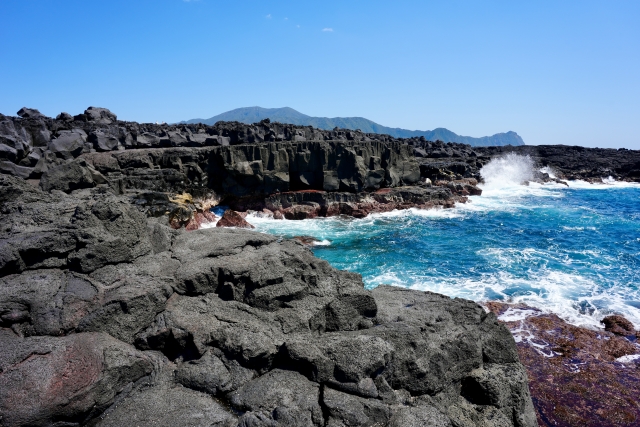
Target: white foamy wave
606,184
628,359
324,242
425,213
211,224
507,171
576,299
516,314
549,171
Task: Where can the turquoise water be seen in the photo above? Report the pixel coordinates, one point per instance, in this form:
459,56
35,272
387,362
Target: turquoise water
571,251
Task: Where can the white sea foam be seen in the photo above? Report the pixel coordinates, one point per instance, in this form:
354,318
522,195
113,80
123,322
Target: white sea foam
606,184
549,170
628,358
516,314
576,299
211,224
507,170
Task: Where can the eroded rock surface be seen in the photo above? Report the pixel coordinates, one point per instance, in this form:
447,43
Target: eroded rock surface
108,317
578,376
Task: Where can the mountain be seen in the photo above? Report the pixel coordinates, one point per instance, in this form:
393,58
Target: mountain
289,115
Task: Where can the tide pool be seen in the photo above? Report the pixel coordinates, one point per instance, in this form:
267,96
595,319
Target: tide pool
573,251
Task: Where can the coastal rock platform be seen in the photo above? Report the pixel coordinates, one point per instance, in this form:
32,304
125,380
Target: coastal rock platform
109,318
578,376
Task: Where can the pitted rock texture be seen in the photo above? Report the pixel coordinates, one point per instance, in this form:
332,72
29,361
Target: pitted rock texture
108,318
578,376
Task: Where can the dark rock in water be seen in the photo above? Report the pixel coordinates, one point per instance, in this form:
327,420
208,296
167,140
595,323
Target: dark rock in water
618,325
230,328
307,240
233,219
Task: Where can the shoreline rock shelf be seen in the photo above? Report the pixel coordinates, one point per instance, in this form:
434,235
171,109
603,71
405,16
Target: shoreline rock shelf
109,317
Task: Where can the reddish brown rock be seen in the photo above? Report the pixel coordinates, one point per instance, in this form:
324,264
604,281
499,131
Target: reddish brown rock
199,219
233,219
278,215
618,325
575,376
62,380
302,211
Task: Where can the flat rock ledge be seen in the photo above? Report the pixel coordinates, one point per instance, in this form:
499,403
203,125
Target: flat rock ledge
110,318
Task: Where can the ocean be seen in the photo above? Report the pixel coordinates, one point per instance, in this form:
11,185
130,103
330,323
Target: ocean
573,251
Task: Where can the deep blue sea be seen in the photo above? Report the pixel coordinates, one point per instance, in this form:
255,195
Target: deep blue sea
571,251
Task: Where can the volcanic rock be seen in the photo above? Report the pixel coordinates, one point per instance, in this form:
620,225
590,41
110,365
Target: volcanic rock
618,325
233,219
108,317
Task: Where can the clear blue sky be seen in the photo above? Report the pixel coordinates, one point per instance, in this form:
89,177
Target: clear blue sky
553,71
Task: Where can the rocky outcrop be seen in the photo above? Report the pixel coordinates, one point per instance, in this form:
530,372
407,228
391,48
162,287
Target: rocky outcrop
578,376
109,317
248,166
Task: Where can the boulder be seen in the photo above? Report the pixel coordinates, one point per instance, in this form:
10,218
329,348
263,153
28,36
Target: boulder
15,141
52,380
67,177
618,325
69,144
29,113
100,115
233,219
65,117
102,141
15,170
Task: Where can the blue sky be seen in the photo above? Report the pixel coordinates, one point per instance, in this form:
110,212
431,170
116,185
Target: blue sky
555,72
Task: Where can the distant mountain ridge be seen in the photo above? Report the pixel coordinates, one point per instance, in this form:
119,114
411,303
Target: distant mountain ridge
250,115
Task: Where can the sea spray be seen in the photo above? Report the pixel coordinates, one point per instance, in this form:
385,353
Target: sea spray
506,171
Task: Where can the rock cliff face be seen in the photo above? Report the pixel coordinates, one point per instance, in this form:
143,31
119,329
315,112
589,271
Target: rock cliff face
290,171
108,317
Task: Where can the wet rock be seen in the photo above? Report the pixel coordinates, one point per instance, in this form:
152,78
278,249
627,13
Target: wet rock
233,219
577,376
618,325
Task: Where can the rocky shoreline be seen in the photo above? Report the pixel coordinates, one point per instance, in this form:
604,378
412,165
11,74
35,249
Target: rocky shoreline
110,318
577,376
115,308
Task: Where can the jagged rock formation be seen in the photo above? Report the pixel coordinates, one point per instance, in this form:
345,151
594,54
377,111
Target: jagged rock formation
108,317
269,166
